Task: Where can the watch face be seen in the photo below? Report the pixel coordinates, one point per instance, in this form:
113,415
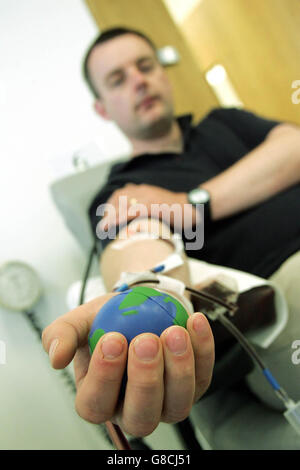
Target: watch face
198,196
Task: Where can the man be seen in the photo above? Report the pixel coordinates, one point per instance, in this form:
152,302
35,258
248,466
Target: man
246,166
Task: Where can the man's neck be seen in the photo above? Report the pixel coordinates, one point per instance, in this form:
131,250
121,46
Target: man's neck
171,142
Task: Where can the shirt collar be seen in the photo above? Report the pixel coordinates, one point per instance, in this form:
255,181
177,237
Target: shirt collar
185,123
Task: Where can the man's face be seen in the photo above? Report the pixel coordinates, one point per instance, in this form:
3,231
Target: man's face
134,89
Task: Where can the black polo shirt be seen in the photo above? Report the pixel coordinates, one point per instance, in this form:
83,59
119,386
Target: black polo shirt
257,240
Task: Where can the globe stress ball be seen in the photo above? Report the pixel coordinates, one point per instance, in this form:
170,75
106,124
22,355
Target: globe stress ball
137,310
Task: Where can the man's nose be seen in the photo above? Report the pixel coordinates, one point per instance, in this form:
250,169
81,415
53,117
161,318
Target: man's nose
138,79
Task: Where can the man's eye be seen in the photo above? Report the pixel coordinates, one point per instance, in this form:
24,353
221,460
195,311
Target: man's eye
146,66
116,80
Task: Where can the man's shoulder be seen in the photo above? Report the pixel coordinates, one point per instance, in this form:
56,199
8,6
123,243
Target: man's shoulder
248,125
223,114
238,115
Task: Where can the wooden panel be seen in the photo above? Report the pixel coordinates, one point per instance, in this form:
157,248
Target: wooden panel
258,42
191,92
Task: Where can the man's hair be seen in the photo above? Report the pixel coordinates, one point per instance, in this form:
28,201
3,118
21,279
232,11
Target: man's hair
106,35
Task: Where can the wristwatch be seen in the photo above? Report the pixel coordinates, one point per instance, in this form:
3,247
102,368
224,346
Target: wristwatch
201,196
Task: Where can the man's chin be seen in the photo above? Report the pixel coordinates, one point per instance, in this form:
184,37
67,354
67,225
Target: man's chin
156,127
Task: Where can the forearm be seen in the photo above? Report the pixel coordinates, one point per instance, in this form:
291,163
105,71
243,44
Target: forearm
140,255
270,168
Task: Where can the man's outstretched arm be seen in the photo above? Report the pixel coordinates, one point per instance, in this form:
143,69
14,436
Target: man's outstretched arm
166,374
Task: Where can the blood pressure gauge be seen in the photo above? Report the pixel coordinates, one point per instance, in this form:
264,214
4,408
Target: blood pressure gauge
20,286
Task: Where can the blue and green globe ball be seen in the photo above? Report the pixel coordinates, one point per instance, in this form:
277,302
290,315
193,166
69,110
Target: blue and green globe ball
137,310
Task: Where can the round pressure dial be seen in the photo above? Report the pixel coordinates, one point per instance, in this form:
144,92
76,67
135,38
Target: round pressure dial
20,287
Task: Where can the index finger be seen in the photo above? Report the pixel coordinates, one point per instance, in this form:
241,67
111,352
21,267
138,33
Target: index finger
70,331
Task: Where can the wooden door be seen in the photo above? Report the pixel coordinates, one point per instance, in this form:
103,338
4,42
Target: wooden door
258,43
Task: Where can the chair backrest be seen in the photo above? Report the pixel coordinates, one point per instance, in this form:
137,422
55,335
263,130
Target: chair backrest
73,195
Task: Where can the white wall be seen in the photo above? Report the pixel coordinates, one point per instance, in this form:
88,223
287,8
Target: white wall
45,114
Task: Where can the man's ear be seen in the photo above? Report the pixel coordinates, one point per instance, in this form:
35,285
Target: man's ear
100,109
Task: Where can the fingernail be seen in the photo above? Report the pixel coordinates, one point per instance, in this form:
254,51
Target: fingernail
198,322
176,340
112,346
52,348
146,348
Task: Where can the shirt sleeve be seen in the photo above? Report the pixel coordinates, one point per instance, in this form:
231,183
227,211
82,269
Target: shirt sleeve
250,127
